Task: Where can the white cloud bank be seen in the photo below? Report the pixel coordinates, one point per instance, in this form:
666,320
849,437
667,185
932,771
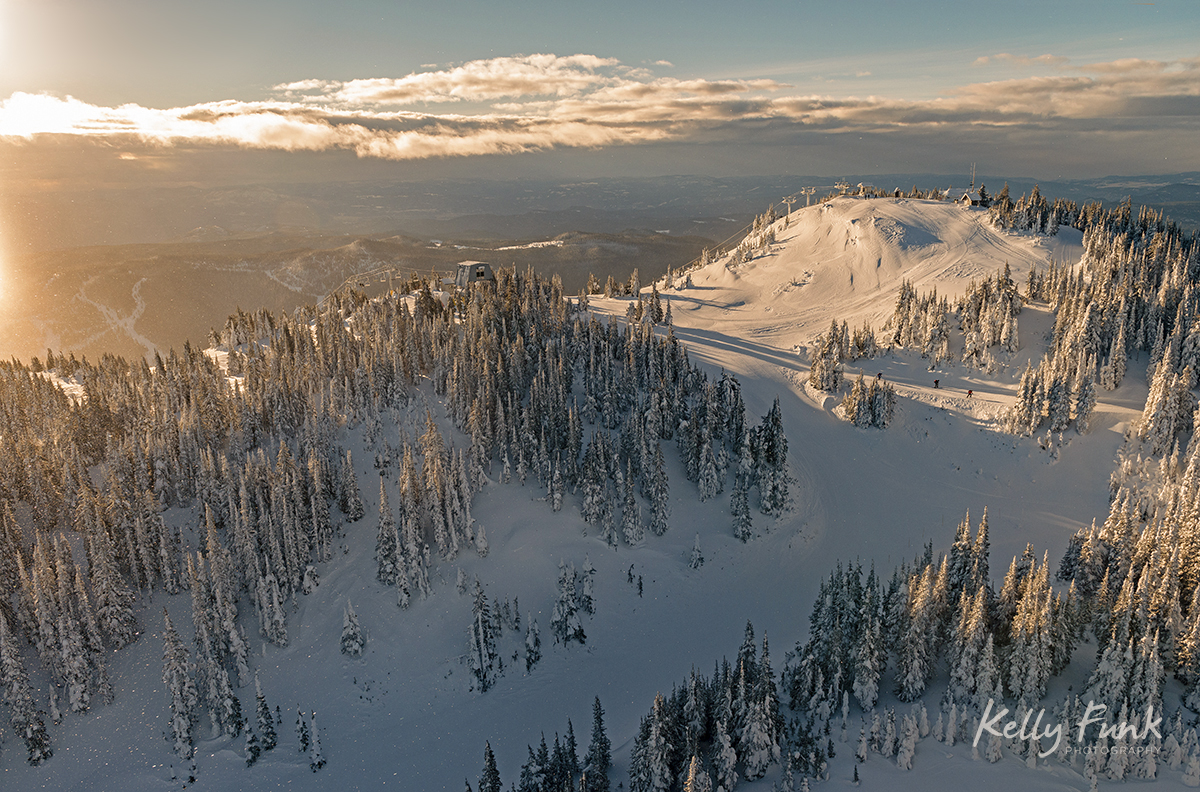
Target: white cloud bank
536,102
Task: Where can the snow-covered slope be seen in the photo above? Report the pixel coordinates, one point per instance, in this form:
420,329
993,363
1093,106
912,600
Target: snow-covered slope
878,495
403,717
845,260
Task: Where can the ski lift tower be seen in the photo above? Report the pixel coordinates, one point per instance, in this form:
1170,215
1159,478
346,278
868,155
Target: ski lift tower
791,199
809,192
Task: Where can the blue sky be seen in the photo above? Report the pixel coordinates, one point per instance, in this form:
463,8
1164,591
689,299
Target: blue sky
1077,88
177,53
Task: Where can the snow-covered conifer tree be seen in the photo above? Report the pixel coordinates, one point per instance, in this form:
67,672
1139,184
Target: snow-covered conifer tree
316,759
1191,770
533,643
888,740
697,779
253,747
264,719
707,482
76,674
303,735
979,554
353,640
988,686
724,758
594,484
881,403
353,505
1059,407
660,495
177,677
968,641
854,406
113,599
739,507
960,558
532,776
658,749
1084,397
489,781
757,751
697,558
1029,666
772,462
93,643
823,373
481,542
557,488
386,550
598,760
908,744
273,619
1114,371
322,527
403,592
584,586
868,660
1023,417
914,656
564,622
481,642
631,519
608,528
24,718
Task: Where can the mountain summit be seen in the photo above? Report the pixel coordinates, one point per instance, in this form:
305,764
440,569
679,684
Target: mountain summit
846,259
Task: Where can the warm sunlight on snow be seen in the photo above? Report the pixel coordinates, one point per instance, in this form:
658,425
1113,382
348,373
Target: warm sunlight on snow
384,385
7,282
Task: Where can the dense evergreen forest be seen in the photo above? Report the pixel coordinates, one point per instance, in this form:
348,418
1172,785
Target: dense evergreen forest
245,434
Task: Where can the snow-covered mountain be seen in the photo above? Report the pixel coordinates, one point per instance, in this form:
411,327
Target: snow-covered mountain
845,260
407,714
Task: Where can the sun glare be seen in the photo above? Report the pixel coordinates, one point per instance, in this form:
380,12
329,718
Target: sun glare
6,280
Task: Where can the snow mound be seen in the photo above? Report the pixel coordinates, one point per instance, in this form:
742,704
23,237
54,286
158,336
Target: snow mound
902,235
845,260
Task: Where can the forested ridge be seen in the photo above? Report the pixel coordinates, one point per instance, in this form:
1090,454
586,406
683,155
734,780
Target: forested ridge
246,435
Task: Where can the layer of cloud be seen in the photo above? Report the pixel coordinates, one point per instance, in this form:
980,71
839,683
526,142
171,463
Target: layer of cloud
475,81
520,104
1022,60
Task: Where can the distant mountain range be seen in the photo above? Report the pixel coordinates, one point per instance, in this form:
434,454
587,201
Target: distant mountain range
53,218
136,299
129,271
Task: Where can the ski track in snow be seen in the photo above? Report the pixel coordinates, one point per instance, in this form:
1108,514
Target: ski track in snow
121,325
